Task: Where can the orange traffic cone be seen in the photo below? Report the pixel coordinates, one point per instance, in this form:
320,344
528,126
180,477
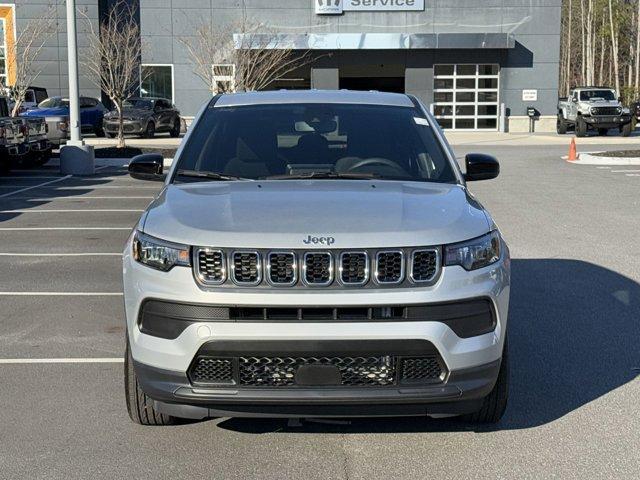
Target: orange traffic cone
573,156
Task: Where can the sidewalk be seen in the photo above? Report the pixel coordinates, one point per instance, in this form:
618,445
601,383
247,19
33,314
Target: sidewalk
517,139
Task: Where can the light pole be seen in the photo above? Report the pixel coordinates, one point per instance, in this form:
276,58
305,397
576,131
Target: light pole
75,157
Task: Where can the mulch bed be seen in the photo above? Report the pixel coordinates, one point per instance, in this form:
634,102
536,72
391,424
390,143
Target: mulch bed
619,154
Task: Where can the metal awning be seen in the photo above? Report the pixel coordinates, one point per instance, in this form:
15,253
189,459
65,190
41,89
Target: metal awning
375,41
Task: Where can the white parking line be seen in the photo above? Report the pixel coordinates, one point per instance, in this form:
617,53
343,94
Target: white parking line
35,186
624,171
87,197
74,210
61,294
83,254
17,361
632,175
28,229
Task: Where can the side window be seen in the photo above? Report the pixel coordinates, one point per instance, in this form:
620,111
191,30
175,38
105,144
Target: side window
41,95
29,96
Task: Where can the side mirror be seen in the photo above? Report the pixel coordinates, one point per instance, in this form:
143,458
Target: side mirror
147,166
481,167
574,100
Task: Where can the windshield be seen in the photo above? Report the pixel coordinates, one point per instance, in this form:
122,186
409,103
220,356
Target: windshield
138,103
316,140
54,102
587,95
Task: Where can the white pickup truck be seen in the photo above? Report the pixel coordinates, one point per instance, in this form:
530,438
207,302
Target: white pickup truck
593,108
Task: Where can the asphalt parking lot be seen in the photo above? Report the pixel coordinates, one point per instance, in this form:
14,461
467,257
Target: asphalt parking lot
574,337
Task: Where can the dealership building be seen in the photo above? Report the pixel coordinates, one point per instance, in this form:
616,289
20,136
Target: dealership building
478,64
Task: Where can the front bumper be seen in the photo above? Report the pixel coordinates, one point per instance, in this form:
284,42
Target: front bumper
607,121
128,126
15,150
162,363
40,146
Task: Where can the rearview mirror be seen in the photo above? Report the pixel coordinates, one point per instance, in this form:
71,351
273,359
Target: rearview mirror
147,166
481,167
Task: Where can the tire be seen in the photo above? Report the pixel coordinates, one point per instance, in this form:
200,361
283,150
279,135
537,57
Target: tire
494,404
175,130
625,130
581,127
561,125
98,131
150,131
139,406
603,132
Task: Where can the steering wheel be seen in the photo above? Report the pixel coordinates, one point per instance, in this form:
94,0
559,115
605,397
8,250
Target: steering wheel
376,161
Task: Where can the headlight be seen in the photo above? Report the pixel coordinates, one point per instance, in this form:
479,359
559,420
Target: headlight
594,111
476,253
159,254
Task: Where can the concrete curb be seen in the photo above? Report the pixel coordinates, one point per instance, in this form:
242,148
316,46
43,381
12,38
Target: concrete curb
592,159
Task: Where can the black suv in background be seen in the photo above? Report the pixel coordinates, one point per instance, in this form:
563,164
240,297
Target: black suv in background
145,117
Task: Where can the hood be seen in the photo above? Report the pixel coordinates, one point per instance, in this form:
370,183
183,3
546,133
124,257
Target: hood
130,112
45,112
281,214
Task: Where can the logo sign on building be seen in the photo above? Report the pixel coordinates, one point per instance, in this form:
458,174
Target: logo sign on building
328,7
529,95
336,7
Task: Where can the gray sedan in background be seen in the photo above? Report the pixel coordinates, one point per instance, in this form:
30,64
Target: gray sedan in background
145,117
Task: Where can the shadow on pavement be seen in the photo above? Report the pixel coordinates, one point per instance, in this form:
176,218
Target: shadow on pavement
574,331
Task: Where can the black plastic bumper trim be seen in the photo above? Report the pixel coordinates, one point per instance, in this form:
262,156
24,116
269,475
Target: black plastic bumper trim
467,318
462,392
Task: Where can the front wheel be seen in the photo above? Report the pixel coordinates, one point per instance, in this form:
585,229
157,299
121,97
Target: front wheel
561,125
175,130
494,404
625,130
150,131
139,406
581,127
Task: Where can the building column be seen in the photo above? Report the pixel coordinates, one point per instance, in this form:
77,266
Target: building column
419,82
325,78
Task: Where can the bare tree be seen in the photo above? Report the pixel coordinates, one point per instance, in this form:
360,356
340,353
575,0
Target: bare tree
254,55
22,56
113,57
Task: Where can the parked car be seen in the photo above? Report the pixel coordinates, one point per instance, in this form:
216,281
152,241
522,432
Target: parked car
56,111
32,97
315,253
145,117
13,134
593,108
40,147
635,113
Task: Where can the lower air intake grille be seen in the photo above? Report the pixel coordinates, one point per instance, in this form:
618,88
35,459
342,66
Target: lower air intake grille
318,268
421,368
246,268
356,371
280,371
424,265
389,267
211,266
212,370
354,268
282,268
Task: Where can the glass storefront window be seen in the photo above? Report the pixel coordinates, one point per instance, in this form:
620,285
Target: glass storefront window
157,81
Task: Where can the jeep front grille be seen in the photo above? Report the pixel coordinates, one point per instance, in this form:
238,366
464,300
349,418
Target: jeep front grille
332,269
390,266
211,266
318,268
606,111
424,265
246,268
282,268
280,371
354,268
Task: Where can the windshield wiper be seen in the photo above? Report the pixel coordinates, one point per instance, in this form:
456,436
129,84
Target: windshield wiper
209,175
322,175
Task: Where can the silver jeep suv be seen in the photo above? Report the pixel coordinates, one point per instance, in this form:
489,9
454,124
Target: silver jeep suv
315,253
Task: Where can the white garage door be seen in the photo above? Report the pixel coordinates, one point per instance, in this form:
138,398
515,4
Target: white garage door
465,96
